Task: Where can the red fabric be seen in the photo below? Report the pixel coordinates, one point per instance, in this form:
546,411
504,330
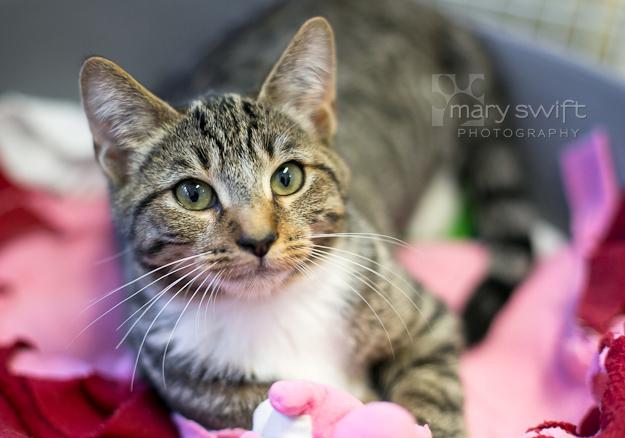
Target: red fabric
604,295
16,220
607,420
90,407
591,423
613,401
616,231
86,407
570,428
601,307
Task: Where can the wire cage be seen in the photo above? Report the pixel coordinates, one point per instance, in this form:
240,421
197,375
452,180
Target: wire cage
594,28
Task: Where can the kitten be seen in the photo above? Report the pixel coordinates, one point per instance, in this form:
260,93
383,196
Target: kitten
255,257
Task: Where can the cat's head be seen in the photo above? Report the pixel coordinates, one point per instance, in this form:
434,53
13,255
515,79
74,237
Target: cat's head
243,183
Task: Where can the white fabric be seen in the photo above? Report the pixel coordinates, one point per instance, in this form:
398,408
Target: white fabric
46,144
270,423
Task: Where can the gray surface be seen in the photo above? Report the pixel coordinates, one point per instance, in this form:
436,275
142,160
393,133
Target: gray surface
42,43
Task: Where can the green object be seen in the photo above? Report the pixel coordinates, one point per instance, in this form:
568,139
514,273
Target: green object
462,228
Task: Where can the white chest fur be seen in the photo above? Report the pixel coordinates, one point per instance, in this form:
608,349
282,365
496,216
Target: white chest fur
299,333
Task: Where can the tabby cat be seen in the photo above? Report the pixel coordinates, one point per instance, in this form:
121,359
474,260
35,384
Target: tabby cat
255,254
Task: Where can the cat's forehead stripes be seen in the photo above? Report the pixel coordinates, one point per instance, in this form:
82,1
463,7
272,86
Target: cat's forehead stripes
233,126
239,127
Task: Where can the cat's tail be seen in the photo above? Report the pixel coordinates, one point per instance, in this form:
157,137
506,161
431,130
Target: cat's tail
493,176
503,218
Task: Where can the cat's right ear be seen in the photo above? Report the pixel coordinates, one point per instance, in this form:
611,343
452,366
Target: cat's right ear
123,115
303,81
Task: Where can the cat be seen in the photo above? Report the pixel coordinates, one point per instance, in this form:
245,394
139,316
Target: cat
258,224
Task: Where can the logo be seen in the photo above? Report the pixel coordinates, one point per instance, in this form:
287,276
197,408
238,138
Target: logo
460,102
452,98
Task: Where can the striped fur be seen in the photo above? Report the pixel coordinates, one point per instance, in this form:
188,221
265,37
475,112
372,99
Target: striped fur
214,331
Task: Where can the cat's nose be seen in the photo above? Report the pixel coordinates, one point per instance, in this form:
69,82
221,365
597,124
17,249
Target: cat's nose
258,247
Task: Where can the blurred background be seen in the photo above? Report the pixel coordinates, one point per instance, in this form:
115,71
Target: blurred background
592,29
42,43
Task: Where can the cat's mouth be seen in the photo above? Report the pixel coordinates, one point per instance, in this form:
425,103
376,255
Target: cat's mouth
254,272
257,279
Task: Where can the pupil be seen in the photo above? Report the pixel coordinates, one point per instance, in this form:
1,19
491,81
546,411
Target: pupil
194,193
285,178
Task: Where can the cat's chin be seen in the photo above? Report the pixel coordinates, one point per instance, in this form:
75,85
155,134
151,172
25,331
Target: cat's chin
258,284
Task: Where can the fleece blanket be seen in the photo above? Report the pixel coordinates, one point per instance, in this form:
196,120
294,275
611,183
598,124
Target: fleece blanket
546,357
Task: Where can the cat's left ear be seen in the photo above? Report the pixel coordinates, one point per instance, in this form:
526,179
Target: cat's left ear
303,81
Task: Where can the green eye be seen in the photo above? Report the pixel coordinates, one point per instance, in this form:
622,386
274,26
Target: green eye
288,179
195,195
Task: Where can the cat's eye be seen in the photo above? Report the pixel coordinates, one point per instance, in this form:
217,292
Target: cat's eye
195,195
288,179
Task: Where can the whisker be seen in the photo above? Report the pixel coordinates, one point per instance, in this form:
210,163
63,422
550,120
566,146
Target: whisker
375,314
171,335
294,263
372,236
148,305
213,294
145,336
370,260
328,256
153,282
112,257
108,294
199,307
378,274
124,300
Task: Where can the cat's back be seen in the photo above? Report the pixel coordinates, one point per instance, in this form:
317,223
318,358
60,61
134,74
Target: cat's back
369,36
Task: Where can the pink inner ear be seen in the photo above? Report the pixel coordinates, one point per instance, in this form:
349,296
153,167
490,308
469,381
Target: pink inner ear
324,122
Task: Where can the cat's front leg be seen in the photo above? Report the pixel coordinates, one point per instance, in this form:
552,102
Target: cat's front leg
423,375
214,402
221,404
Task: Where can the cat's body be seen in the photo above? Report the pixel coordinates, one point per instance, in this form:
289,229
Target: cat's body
263,282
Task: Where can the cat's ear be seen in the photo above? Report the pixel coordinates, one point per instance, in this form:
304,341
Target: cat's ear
123,115
303,81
